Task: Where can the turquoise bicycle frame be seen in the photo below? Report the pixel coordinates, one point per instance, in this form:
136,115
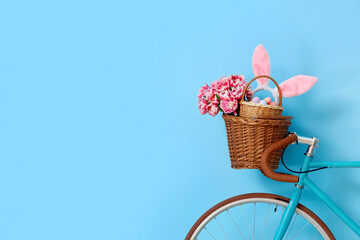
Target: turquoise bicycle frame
305,181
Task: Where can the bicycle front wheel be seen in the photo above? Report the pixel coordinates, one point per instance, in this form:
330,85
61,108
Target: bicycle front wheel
257,216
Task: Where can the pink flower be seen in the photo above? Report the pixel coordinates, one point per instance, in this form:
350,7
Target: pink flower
237,92
210,96
214,110
238,84
229,106
223,94
221,84
249,94
203,106
236,80
203,90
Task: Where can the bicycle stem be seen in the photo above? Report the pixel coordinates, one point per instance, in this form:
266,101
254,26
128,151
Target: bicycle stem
312,142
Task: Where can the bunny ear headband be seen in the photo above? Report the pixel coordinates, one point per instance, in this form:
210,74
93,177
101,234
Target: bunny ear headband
290,88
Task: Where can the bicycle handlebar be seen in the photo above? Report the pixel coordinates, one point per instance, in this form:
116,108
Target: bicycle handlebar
265,165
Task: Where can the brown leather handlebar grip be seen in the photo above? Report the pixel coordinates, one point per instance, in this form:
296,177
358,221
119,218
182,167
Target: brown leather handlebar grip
265,165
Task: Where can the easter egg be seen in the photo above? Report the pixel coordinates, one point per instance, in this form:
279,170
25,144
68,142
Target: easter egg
267,100
263,102
256,100
273,104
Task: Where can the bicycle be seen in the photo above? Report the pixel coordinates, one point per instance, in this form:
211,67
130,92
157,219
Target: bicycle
288,219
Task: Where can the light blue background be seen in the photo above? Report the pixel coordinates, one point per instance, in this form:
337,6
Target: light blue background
100,135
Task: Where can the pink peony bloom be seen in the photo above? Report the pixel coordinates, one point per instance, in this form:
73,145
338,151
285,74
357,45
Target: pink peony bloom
203,106
210,96
203,90
223,94
238,83
237,80
214,110
229,106
249,94
221,85
237,92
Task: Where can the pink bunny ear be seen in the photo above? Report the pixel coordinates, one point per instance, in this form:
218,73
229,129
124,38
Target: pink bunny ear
297,85
261,64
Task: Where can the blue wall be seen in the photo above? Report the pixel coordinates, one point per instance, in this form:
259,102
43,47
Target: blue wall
100,133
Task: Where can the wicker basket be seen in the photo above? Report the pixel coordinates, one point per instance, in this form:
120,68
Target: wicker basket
251,109
249,137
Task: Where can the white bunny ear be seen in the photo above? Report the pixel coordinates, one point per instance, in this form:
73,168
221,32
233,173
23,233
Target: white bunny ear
261,64
297,85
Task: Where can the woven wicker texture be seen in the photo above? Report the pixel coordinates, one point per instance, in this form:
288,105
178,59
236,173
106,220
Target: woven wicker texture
251,109
248,138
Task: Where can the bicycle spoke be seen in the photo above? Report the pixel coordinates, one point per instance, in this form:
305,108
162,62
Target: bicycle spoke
315,236
267,213
300,230
254,219
209,233
236,225
292,224
281,214
221,228
247,222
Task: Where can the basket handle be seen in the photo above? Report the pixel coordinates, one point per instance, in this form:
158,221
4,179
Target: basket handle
261,76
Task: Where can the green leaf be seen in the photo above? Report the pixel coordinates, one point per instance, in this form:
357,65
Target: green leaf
220,108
